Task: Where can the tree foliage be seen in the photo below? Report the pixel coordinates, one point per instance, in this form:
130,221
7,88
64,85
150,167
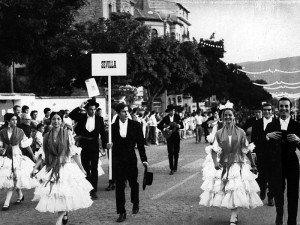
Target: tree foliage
4,79
57,53
227,83
243,91
25,26
156,64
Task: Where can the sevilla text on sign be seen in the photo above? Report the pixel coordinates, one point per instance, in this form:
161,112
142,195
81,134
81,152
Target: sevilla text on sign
113,64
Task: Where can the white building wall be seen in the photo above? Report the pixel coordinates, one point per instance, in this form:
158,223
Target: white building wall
39,103
105,6
58,103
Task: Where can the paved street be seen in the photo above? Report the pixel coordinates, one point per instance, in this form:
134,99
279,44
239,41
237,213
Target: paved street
170,200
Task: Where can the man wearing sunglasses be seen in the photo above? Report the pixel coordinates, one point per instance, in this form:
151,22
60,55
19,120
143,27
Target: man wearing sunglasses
258,136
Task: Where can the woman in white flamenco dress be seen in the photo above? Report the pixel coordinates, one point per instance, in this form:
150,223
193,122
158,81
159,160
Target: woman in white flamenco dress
63,184
227,178
15,168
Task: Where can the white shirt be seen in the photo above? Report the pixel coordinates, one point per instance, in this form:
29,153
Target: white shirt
90,123
284,123
266,122
152,121
198,119
123,128
171,118
39,139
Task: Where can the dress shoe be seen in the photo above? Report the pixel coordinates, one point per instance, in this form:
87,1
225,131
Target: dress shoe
110,187
5,208
19,200
171,172
135,209
122,217
65,219
271,202
94,195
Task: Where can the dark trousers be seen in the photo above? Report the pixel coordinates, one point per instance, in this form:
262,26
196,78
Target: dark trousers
122,174
173,145
89,160
206,132
112,181
152,134
199,130
288,177
263,179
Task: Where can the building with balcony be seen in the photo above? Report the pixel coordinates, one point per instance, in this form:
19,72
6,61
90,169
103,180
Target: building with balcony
166,18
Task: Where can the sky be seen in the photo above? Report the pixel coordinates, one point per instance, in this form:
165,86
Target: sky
253,30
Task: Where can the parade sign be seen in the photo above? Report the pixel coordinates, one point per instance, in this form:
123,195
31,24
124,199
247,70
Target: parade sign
112,64
92,87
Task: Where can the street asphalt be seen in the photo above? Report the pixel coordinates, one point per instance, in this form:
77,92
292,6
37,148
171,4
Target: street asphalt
171,200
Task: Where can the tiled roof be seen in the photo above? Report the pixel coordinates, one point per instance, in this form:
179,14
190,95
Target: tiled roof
165,9
143,14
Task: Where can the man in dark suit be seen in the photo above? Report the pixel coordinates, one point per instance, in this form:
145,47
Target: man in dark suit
283,136
126,134
258,136
171,124
88,128
247,127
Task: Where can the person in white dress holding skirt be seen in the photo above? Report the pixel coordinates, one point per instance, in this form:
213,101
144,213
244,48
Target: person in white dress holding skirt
228,179
63,185
15,168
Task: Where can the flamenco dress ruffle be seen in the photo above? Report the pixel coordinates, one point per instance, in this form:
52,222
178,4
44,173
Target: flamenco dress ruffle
236,188
22,167
70,192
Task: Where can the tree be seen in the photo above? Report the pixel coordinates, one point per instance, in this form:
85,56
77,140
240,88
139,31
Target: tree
4,79
27,25
156,64
63,61
31,32
170,71
53,69
243,91
227,82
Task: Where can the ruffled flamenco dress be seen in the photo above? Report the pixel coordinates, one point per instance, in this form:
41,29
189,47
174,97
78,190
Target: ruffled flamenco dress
15,168
71,191
233,185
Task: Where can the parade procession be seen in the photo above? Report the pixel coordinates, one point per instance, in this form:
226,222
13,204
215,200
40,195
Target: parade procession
149,112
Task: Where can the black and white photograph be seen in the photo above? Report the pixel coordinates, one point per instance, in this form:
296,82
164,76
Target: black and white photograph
149,112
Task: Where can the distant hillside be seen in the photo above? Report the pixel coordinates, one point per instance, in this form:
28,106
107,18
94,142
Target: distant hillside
284,64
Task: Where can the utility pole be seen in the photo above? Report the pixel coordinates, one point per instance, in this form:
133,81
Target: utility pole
12,74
